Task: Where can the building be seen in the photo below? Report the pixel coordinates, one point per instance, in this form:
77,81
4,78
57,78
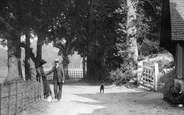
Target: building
172,34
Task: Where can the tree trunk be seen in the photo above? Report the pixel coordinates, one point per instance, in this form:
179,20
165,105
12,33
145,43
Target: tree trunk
90,69
131,32
39,49
27,56
88,29
14,58
84,63
65,65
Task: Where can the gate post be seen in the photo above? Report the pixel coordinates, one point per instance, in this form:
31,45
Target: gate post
156,69
140,70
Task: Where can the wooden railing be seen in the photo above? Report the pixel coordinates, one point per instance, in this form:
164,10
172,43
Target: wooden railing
17,96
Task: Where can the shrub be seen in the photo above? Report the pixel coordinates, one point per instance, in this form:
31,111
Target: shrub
148,47
168,80
174,96
118,77
171,93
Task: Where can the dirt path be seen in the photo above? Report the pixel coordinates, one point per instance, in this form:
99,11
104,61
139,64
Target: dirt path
83,99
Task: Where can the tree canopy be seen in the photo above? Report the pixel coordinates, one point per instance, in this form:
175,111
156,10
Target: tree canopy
96,29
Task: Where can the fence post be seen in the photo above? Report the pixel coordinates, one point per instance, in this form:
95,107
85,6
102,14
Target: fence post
9,89
40,91
156,76
16,103
22,98
30,94
140,70
36,93
41,81
0,97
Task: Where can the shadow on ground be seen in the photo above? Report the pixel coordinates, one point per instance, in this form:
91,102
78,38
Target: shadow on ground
36,108
128,103
79,82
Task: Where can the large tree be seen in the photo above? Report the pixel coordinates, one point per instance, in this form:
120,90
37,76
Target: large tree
99,35
62,31
43,15
11,31
26,17
131,33
143,23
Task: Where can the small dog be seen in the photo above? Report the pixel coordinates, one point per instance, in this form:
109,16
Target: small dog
102,87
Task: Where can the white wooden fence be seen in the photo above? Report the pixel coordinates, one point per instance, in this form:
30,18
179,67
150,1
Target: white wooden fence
72,73
75,73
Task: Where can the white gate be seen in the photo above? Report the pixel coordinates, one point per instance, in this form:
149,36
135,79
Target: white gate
148,74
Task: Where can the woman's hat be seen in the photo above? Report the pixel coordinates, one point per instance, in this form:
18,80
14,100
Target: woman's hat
42,62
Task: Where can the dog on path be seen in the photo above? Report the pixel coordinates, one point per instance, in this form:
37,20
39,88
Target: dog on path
102,87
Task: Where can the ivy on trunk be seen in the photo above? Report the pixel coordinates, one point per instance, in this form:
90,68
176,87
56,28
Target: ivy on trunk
14,58
131,33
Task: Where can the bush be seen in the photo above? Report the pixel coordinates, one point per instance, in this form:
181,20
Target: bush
148,47
172,93
174,96
118,77
168,80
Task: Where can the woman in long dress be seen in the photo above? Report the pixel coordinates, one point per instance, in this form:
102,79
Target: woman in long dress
42,74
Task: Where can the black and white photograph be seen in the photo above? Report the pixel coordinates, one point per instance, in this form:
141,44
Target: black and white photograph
91,57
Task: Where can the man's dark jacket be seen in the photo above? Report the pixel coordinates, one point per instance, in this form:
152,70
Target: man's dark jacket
59,74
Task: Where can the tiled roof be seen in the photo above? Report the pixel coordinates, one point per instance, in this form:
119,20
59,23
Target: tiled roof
177,19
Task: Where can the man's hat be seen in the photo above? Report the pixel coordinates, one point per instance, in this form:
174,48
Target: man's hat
42,62
56,60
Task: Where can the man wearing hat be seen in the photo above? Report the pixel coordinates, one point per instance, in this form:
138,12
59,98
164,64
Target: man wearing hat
58,79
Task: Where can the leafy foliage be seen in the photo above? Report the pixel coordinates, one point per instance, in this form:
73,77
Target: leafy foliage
174,96
119,77
148,47
149,21
107,37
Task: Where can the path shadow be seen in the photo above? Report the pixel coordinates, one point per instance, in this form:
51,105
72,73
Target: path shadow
129,101
69,82
78,82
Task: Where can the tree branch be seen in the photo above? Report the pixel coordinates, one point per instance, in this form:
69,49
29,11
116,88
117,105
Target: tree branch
32,55
23,45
